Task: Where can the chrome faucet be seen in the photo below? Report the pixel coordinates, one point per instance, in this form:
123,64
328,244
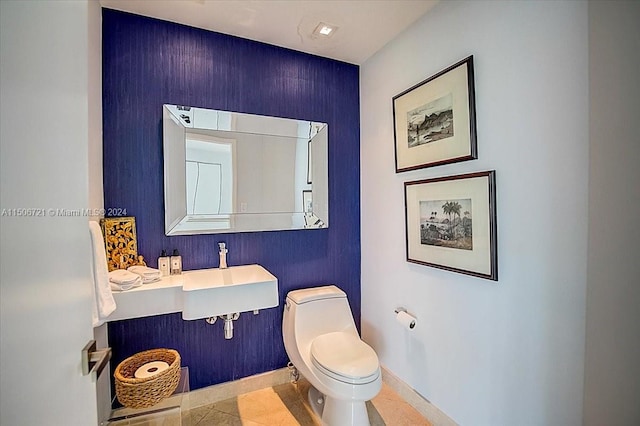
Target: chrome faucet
223,255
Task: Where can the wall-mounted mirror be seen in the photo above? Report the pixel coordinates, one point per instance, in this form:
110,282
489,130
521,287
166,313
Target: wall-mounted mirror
232,172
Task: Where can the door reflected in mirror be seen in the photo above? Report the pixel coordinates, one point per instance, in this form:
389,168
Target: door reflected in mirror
232,172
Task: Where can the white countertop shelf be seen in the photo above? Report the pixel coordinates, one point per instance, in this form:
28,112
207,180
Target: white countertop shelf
161,297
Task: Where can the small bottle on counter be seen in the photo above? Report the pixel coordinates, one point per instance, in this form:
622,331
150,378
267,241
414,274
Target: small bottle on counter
176,263
163,264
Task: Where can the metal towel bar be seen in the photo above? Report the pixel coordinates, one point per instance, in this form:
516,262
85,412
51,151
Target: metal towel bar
93,360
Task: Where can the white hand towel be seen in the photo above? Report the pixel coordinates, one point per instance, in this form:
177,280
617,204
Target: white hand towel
122,280
148,275
127,286
103,303
122,276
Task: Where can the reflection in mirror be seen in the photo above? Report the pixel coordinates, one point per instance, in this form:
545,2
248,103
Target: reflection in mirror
232,172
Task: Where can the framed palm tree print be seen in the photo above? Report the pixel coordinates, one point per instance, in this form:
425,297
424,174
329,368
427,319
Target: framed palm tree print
451,223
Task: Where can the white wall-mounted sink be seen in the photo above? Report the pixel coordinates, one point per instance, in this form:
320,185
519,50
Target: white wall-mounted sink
212,292
200,293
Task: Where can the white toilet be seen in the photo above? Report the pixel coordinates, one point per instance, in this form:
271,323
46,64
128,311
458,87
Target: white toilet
322,342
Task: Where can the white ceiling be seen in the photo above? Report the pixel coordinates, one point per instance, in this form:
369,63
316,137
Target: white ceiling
364,26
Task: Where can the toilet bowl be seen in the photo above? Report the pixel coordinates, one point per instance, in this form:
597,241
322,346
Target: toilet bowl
322,342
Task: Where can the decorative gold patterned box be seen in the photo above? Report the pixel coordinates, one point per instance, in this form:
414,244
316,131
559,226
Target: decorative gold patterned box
120,241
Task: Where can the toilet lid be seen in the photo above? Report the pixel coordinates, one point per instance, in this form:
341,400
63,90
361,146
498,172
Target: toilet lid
345,357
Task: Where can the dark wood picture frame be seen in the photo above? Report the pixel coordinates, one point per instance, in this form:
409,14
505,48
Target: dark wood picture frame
435,120
438,235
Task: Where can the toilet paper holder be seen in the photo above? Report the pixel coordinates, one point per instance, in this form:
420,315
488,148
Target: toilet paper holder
409,320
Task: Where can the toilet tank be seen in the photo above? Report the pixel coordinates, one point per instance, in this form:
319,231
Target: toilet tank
315,311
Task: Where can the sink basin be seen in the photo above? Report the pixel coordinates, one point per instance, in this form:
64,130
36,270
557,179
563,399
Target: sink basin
212,292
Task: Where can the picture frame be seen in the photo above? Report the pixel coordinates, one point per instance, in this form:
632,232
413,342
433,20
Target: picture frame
120,241
435,120
450,223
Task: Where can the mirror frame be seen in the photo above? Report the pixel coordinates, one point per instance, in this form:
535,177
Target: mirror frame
311,205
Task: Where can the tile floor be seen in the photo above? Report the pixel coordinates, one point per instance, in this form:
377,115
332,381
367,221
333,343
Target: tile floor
286,405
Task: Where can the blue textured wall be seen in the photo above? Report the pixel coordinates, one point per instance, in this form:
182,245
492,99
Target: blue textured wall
147,63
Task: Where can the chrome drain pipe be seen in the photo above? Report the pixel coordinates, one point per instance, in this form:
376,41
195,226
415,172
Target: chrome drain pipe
228,323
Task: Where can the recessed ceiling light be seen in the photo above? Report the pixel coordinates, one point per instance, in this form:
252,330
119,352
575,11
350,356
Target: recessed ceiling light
325,30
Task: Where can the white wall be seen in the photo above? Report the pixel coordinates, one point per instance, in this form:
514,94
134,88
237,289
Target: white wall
96,191
487,353
44,259
612,363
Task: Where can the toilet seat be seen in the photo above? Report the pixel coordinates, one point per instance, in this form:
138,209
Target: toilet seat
345,358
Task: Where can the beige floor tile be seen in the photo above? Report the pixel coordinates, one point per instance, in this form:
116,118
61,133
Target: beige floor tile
287,405
294,397
195,415
229,406
395,411
219,418
387,393
260,404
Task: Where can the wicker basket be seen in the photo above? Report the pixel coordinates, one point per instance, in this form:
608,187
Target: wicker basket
147,392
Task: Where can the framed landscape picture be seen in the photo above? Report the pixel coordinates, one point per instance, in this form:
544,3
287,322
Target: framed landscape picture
435,120
451,223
